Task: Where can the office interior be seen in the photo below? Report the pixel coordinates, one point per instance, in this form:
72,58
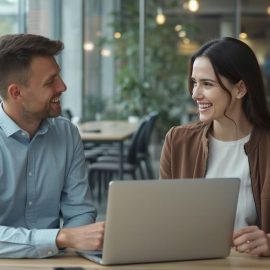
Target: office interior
126,59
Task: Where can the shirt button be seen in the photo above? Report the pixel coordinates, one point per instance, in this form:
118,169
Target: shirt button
23,134
29,173
30,203
50,252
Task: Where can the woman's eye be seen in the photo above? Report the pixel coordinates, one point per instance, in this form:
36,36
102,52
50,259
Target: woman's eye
207,84
194,84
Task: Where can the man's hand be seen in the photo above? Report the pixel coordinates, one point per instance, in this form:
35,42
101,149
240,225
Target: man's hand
252,240
87,237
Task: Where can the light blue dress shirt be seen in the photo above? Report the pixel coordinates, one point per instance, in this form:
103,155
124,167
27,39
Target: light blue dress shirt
41,180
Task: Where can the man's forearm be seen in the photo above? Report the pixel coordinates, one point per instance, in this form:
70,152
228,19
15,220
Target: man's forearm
23,243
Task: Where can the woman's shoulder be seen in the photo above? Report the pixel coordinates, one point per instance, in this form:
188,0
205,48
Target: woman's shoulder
189,134
195,128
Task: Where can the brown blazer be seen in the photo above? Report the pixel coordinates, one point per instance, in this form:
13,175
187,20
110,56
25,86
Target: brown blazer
185,154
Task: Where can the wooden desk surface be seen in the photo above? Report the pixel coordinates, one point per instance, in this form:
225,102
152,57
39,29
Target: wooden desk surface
235,261
106,130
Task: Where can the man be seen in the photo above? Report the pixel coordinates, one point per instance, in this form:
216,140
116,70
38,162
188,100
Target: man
43,176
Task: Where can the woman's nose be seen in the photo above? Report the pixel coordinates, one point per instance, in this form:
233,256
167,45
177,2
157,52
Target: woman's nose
196,92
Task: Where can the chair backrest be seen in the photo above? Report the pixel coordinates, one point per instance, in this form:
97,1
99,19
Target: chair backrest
151,120
67,114
136,140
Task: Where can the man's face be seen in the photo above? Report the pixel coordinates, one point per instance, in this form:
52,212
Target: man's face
40,98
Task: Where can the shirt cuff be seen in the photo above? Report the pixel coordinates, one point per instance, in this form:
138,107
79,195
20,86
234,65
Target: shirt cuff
45,242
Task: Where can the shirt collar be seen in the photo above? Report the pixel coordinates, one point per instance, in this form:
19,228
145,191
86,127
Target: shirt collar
10,127
7,124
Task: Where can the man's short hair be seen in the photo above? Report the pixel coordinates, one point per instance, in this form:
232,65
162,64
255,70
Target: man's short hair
16,54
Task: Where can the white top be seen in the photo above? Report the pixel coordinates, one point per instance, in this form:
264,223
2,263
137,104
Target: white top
228,159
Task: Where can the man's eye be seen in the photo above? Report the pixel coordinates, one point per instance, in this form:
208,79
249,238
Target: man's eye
50,82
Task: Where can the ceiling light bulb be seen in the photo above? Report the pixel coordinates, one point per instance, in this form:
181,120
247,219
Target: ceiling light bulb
105,52
117,35
182,34
243,35
268,10
193,5
88,46
178,27
160,18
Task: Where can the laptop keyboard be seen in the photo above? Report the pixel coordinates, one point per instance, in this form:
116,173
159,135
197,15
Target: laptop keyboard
99,255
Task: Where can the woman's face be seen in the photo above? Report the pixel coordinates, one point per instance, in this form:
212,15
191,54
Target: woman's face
211,98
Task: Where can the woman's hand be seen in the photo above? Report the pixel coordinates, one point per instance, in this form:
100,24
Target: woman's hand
252,240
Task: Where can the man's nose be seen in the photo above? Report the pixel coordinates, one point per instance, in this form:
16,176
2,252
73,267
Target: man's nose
61,87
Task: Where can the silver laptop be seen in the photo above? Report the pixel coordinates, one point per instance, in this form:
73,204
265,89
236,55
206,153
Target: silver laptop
168,220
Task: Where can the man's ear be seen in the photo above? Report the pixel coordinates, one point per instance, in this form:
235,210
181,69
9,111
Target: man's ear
13,91
241,90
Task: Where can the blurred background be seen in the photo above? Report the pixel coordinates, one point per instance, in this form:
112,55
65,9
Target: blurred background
126,58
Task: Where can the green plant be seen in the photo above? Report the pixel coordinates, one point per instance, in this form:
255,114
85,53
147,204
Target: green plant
164,88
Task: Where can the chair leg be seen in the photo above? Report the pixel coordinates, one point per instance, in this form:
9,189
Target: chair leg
100,180
141,171
149,168
91,181
134,176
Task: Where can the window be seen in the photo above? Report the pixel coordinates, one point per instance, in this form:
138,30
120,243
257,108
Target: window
9,19
119,60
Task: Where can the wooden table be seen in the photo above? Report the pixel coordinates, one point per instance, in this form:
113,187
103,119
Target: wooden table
108,132
235,261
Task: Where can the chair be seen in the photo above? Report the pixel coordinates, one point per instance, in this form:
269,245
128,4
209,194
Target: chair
67,114
92,152
143,155
143,148
104,170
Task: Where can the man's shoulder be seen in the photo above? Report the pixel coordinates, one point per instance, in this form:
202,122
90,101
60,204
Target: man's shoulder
59,121
62,124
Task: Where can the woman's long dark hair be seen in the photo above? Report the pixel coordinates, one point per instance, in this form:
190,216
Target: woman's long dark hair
234,60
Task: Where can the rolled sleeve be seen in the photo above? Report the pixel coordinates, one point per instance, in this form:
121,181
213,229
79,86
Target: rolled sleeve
24,243
45,242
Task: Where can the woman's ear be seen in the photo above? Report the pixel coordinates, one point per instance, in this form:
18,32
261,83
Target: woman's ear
241,89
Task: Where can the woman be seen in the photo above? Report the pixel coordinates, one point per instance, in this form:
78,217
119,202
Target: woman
232,138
